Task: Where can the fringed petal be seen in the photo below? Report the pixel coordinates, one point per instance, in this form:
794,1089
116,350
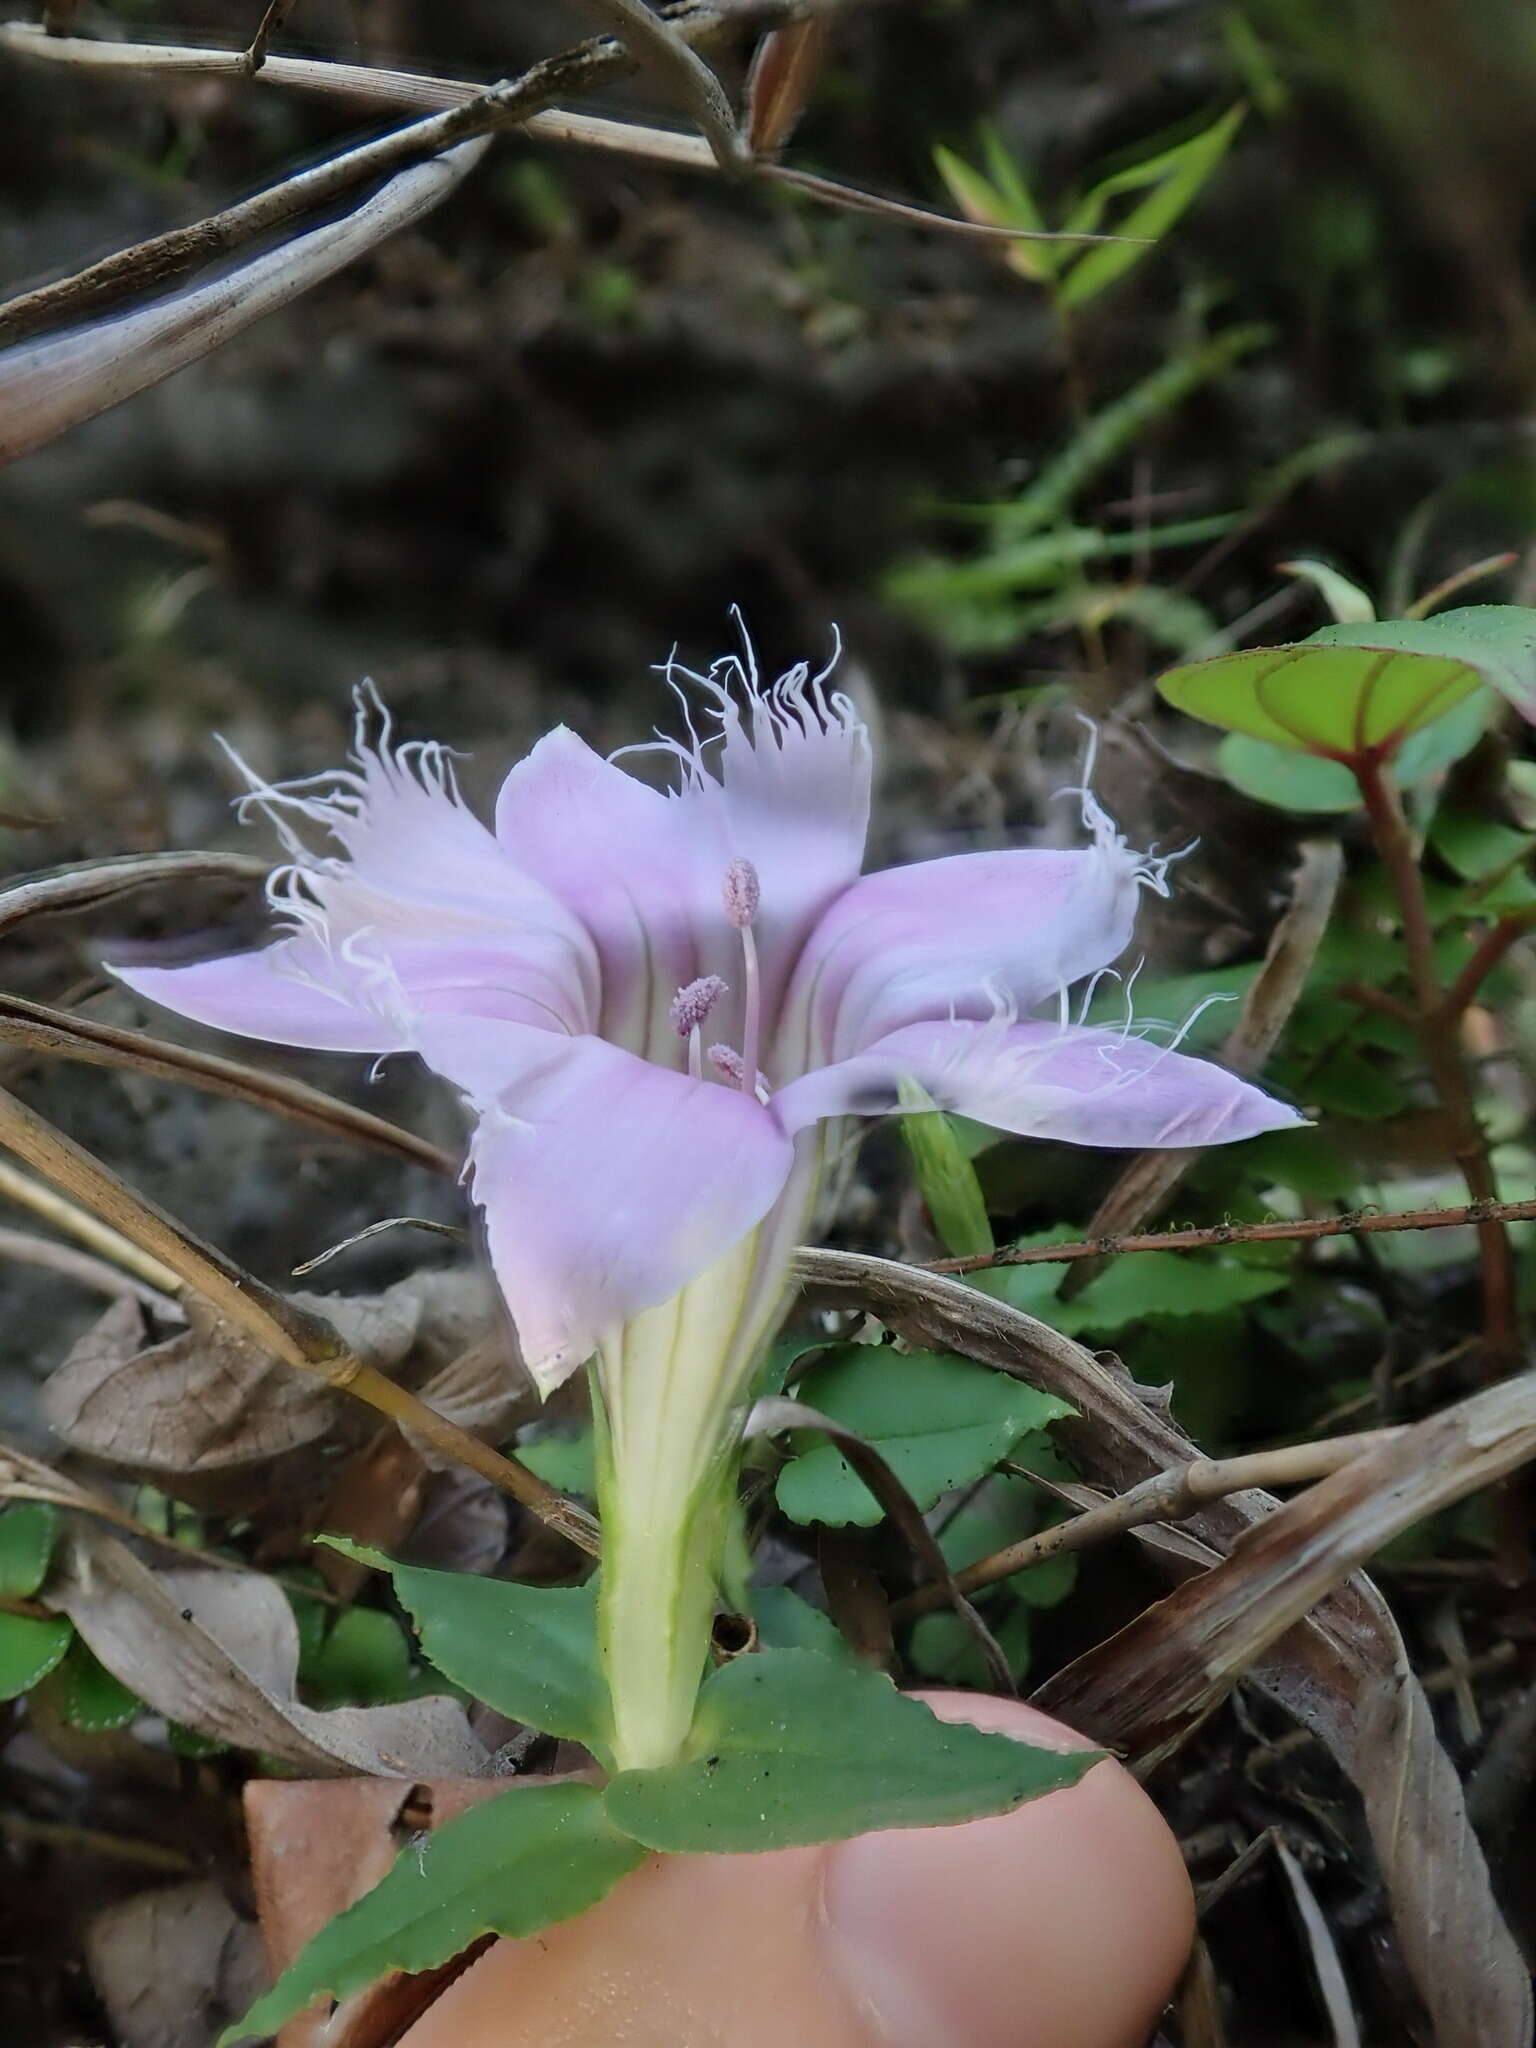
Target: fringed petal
778,778
1080,1086
420,910
276,994
962,936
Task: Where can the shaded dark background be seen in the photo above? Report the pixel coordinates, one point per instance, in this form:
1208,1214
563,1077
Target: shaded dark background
510,460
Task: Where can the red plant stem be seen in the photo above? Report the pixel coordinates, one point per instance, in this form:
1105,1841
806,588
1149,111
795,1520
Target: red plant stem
1358,1224
1508,932
1435,1023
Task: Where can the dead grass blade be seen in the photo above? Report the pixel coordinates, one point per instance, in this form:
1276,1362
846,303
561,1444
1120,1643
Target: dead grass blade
86,883
1339,1667
48,386
210,1397
652,40
66,1036
1327,1969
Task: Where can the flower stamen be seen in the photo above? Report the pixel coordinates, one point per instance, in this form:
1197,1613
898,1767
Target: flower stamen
742,892
690,1008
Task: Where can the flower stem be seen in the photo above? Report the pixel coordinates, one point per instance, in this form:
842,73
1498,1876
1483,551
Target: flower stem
666,1391
656,1607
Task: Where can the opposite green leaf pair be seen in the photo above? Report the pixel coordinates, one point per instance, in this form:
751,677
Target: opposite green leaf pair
1354,693
789,1747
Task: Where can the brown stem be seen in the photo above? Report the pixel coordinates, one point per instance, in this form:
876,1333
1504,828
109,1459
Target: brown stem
1435,1024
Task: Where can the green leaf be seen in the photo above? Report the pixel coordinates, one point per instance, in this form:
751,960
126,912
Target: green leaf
536,1855
1007,175
1177,176
1435,746
1006,1508
564,1461
1005,201
528,1651
937,1420
1311,783
93,1699
187,1742
786,1622
1356,690
942,1646
1287,780
1474,848
1107,434
30,1647
362,1660
27,1535
945,1175
1132,1287
788,1749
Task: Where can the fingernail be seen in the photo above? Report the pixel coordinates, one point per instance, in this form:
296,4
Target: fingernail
1063,1924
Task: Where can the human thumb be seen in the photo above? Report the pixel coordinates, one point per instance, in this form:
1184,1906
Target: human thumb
1063,1924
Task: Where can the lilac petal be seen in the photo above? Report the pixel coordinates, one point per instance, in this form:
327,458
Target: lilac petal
792,798
420,911
962,935
618,856
782,785
1045,1081
265,995
607,1183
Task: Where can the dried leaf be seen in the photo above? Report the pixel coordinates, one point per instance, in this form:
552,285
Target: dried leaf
219,1653
174,1965
1339,1668
375,1499
211,1397
461,1528
486,1389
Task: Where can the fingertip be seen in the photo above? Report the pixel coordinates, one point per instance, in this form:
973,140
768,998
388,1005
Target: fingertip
1063,1924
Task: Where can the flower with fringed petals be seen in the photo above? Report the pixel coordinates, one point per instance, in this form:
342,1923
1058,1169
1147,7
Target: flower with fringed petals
645,1180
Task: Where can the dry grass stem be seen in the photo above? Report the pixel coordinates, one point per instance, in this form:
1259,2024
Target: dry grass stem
295,1335
68,1036
1168,1497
